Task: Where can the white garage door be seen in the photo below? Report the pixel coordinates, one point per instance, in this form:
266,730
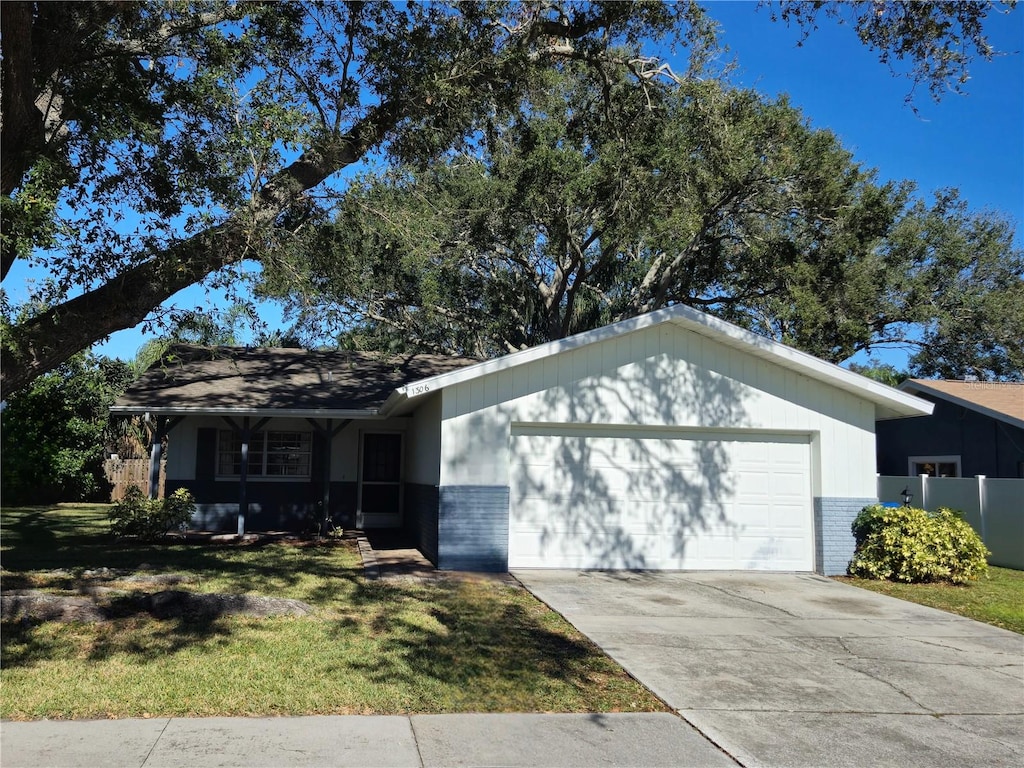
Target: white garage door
623,499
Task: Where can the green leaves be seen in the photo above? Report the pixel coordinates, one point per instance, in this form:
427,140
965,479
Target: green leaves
149,519
911,545
54,433
931,44
150,146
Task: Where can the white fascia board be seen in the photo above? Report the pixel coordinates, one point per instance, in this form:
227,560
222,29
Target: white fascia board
310,413
891,403
917,386
434,383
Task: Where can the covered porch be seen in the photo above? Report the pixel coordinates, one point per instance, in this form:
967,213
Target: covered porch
287,440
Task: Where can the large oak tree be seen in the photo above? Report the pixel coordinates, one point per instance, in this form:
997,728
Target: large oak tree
214,125
595,202
149,146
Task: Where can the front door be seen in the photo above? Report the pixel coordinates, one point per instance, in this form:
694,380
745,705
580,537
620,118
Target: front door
380,481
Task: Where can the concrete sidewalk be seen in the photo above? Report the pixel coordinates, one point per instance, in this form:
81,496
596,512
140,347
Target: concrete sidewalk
654,739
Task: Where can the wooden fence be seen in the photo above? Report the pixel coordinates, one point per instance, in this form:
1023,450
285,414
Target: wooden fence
124,473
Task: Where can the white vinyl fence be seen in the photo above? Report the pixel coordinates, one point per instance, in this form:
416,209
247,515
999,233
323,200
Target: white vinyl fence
993,506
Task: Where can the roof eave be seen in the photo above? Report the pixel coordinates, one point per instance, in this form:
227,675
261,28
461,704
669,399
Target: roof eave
395,399
910,384
889,402
310,413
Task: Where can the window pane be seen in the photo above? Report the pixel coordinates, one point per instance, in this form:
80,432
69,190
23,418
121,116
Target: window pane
936,468
382,458
288,454
229,453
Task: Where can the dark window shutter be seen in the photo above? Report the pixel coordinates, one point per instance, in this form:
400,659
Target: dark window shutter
206,453
316,469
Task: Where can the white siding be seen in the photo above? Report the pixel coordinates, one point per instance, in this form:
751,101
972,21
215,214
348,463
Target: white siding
661,376
423,446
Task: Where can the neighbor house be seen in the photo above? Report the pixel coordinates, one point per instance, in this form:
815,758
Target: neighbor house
672,440
976,428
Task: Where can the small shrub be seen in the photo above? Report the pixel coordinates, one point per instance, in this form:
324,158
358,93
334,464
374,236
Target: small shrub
912,545
136,515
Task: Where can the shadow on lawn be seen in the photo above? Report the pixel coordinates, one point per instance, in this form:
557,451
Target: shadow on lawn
479,646
69,550
44,539
480,642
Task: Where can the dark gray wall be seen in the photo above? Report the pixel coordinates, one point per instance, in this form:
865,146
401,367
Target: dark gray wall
273,505
985,445
421,502
833,533
472,528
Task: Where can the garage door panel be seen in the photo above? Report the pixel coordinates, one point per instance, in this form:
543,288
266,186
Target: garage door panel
613,501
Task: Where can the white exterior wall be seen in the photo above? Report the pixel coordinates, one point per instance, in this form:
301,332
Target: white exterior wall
181,444
423,443
658,377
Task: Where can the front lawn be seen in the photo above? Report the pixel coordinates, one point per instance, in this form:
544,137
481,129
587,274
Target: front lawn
997,599
368,646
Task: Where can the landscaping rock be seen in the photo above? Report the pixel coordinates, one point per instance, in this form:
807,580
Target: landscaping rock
104,605
101,573
36,606
173,603
162,579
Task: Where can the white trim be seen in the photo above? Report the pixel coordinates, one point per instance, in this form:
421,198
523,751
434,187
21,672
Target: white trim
198,410
911,385
360,516
892,402
659,432
264,453
912,460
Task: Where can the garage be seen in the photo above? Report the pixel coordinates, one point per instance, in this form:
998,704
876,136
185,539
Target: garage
659,499
667,441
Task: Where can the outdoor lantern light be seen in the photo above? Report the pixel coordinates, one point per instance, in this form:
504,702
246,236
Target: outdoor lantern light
907,497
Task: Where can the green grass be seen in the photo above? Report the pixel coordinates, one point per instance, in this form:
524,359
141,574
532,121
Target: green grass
997,599
369,647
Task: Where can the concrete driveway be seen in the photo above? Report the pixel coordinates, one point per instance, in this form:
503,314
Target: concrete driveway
799,670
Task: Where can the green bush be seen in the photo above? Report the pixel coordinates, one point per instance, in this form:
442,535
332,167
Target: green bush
52,434
912,545
135,515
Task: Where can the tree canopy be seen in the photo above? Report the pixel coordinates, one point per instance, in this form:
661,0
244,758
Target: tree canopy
215,125
596,202
54,432
932,44
151,146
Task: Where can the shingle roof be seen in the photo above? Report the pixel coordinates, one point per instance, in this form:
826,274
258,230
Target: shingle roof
233,379
1000,399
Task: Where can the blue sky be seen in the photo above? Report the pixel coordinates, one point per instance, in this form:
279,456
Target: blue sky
973,142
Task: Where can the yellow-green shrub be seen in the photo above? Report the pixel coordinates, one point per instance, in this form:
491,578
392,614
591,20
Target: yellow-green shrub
148,519
912,545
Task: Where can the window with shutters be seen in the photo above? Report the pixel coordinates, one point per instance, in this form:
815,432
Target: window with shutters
271,454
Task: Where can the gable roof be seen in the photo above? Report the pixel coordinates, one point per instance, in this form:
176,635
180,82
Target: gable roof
889,402
1001,400
296,382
